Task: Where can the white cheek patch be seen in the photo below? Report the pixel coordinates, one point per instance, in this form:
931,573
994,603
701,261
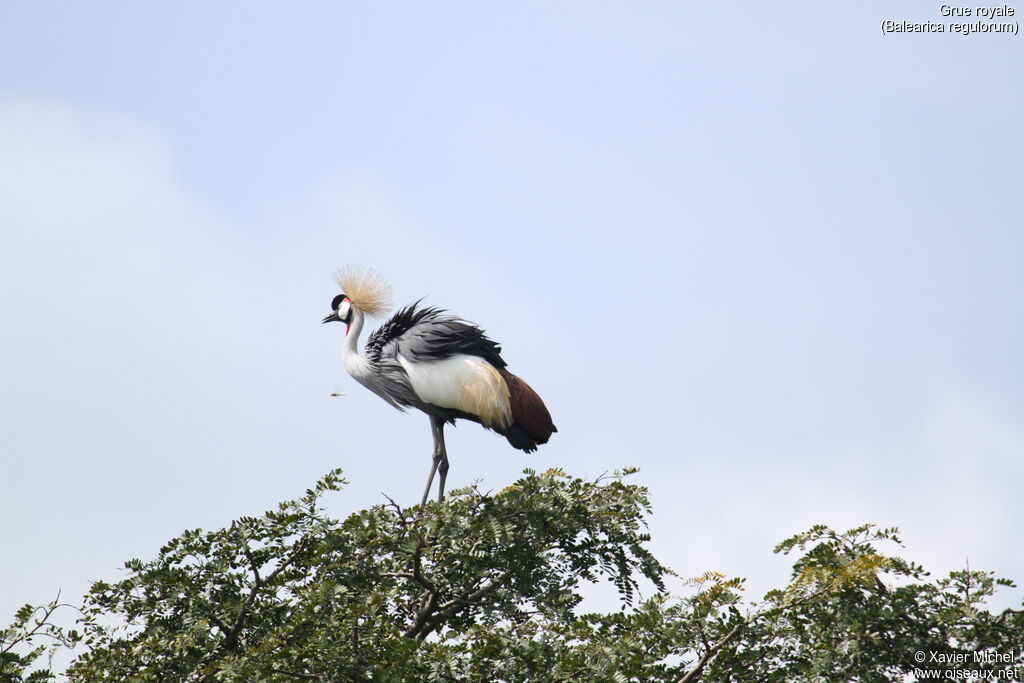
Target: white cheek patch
343,309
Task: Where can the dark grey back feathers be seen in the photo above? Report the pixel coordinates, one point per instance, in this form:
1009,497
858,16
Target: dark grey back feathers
430,333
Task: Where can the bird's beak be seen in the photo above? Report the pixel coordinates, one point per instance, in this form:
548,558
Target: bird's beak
332,318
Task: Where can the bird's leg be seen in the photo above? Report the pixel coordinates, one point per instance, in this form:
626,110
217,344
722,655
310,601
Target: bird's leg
436,428
442,468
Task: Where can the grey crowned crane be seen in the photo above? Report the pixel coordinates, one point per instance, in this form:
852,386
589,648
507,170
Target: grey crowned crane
424,358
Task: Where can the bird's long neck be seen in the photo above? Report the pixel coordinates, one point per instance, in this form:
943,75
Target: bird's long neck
354,361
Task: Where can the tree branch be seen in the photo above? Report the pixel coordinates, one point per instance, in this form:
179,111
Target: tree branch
296,674
449,607
421,617
398,509
231,637
1007,612
430,621
417,569
694,673
40,623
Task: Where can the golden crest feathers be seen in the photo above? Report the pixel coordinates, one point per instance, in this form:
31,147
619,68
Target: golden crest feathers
368,291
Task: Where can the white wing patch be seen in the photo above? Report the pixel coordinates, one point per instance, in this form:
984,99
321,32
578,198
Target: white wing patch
462,382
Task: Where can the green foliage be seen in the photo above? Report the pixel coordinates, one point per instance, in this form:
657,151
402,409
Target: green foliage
27,639
839,621
486,587
296,594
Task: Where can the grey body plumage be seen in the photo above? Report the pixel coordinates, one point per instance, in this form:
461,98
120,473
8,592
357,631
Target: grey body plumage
422,334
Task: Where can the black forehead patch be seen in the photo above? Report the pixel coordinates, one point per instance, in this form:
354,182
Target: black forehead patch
337,301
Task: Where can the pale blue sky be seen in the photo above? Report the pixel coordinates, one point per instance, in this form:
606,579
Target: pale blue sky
761,251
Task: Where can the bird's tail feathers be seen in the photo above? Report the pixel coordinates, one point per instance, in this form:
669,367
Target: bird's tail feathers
519,439
531,421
